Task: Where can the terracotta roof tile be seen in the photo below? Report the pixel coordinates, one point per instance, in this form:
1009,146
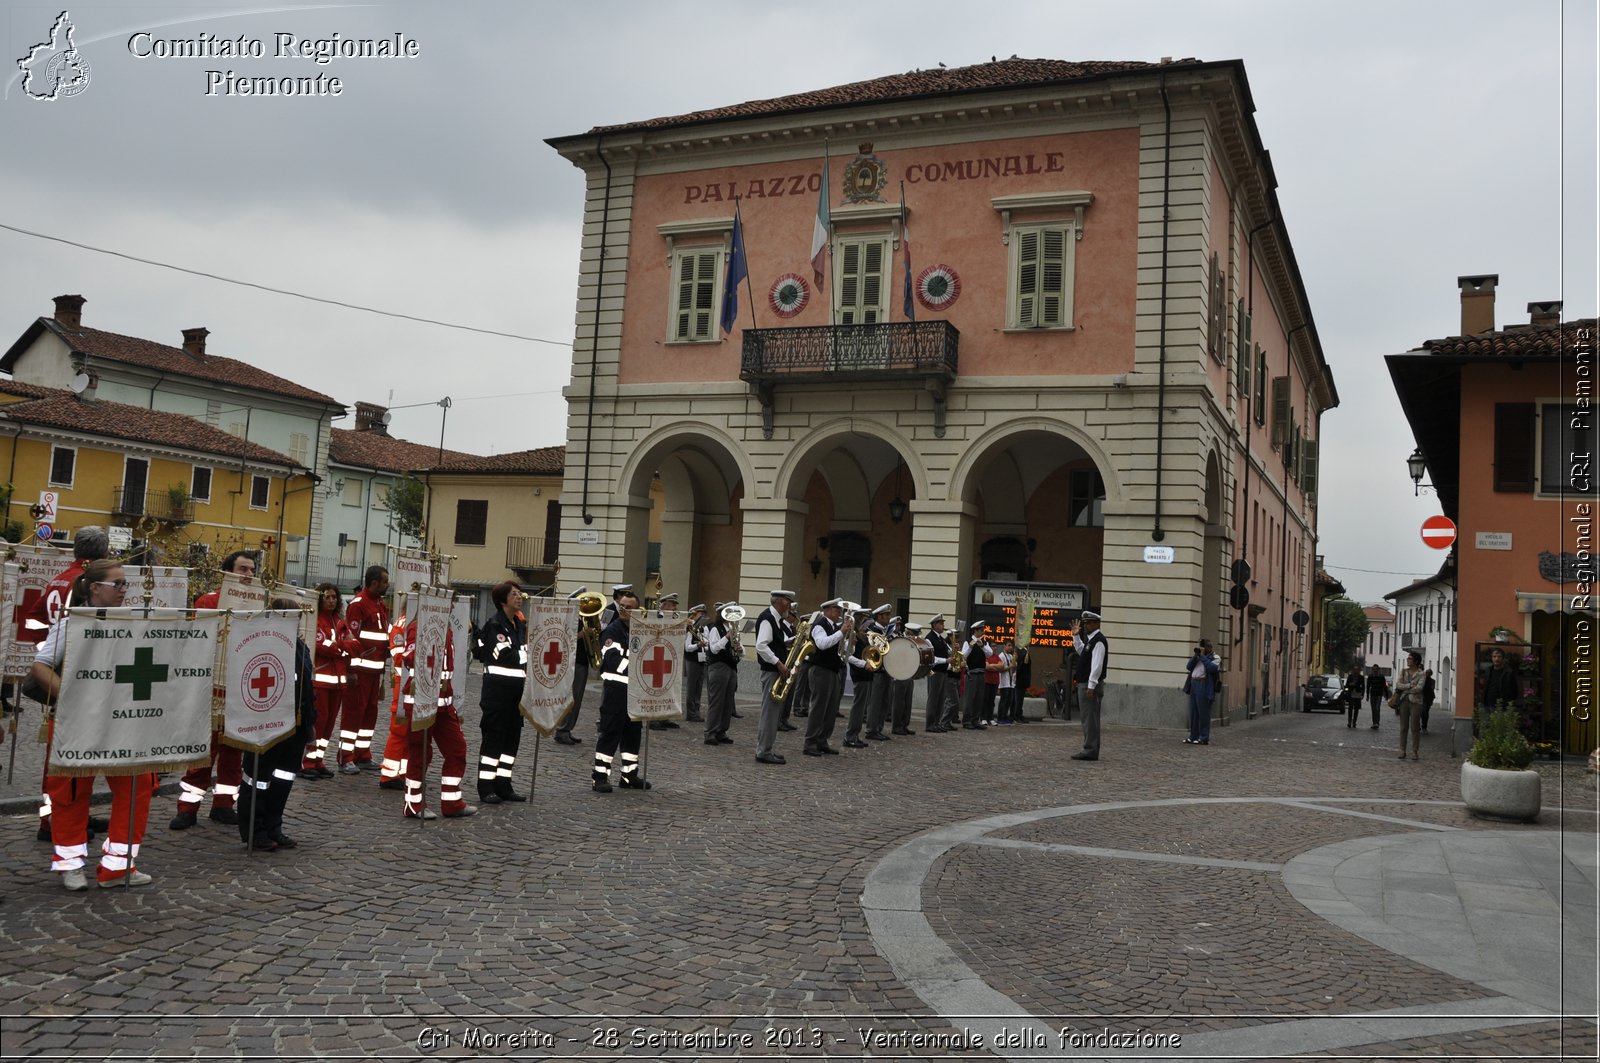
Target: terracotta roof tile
1004,74
1525,341
58,408
544,461
369,450
150,354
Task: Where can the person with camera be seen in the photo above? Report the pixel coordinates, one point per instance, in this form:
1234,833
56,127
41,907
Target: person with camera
1201,686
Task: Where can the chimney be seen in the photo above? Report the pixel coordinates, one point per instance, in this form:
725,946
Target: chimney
1477,303
69,311
370,417
194,341
1546,314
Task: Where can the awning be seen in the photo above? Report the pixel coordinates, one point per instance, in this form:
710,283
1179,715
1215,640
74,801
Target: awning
1549,602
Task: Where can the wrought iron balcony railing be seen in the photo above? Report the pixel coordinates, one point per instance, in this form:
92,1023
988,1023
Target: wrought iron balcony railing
162,505
530,552
830,353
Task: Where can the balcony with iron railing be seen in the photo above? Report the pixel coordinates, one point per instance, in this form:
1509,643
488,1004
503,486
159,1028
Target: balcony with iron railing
128,506
923,352
528,553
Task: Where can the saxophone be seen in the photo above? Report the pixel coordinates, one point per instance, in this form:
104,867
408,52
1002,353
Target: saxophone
802,648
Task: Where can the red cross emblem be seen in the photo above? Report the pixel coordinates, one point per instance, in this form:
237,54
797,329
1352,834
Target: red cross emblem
552,657
658,667
263,683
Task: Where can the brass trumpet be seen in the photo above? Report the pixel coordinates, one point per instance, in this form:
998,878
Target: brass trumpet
590,606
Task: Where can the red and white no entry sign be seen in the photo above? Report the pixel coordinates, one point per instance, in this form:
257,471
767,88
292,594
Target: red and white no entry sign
1439,532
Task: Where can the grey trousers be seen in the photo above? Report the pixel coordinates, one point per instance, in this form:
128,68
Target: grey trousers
859,705
1091,718
771,713
900,704
878,702
580,679
694,682
827,687
933,709
972,706
720,682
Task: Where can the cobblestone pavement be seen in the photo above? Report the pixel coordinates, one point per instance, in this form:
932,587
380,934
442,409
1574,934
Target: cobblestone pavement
722,914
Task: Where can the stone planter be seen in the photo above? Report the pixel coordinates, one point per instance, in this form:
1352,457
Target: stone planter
1497,794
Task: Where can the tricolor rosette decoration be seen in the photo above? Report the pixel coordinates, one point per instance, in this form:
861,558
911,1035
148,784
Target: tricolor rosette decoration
937,287
789,295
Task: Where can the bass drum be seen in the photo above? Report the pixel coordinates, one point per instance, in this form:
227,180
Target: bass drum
908,658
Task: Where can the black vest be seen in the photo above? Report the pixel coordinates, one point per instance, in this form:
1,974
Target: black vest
1086,657
781,637
941,648
725,656
827,659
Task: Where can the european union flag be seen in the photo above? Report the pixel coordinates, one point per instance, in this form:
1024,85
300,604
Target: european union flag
738,270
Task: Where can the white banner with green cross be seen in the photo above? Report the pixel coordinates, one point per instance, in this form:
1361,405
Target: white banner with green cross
135,692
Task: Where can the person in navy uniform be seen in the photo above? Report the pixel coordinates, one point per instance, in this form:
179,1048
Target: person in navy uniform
501,646
616,729
1094,659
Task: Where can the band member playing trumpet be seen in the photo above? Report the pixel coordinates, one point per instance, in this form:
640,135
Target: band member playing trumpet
694,664
828,630
774,632
616,729
977,652
722,671
940,687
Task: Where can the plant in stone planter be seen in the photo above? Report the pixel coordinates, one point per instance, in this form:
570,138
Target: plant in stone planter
1495,779
1502,634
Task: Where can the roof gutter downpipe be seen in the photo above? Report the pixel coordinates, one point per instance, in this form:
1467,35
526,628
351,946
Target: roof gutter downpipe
1156,533
594,340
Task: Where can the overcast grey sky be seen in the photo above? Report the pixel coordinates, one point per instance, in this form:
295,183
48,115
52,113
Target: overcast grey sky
1413,142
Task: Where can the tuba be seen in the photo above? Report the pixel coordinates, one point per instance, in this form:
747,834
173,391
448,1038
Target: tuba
733,616
877,646
589,608
802,648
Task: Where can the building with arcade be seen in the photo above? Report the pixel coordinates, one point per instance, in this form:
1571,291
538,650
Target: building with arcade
1056,333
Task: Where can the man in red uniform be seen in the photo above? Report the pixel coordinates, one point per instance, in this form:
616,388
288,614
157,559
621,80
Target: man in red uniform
445,734
366,622
89,544
331,676
227,761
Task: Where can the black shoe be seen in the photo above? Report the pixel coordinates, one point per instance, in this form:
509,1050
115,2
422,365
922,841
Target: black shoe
490,798
225,815
324,773
695,718
284,842
735,714
642,784
310,774
811,751
565,738
1085,756
183,821
1205,741
392,784
601,786
265,844
368,765
802,713
770,758
877,736
933,730
903,732
724,740
854,743
507,794
829,750
787,727
713,742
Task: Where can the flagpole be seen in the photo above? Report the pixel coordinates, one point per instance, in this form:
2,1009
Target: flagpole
749,288
905,255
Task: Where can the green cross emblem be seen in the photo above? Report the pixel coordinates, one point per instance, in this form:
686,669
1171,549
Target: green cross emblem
143,673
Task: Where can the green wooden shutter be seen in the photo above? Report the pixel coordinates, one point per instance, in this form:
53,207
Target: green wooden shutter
1052,278
1308,476
1027,278
861,265
697,296
1280,411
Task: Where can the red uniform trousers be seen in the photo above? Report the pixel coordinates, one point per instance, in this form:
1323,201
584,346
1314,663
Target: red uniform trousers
69,825
359,719
230,772
446,734
330,696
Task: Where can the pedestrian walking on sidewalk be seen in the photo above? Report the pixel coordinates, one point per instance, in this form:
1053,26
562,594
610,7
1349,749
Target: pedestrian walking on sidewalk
1377,687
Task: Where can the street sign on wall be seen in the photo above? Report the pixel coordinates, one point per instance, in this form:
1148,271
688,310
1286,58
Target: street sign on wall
1439,532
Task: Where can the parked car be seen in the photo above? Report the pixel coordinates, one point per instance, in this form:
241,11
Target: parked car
1324,692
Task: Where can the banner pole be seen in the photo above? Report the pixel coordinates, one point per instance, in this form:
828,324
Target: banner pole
644,753
533,781
16,713
250,835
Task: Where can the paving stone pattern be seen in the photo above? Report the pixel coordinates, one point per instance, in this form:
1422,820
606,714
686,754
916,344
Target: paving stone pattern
725,904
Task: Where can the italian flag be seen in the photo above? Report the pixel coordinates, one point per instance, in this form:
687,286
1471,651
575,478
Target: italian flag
819,232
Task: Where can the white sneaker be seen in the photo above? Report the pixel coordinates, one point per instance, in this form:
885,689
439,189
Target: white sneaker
133,878
74,880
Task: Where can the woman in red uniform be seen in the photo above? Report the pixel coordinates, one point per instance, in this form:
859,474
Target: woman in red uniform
333,669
